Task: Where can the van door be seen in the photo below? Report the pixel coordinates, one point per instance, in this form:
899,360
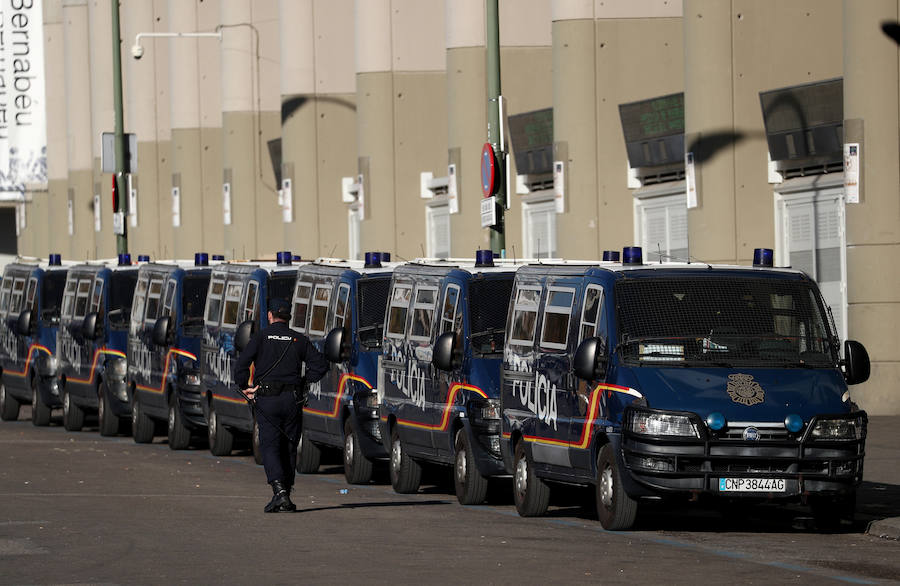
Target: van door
330,387
422,375
590,405
450,319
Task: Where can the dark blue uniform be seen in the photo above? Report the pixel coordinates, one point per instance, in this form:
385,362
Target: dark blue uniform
280,383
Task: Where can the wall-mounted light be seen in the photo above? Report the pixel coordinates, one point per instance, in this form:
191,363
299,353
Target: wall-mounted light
137,50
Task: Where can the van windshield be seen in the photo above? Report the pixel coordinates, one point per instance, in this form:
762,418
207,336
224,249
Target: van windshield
52,288
121,291
488,306
281,285
372,295
193,301
724,320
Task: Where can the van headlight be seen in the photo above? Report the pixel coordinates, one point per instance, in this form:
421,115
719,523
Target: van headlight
117,369
657,423
485,410
192,379
47,365
844,428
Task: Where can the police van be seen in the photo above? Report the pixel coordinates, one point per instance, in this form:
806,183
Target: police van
30,298
440,371
679,380
164,341
347,299
92,341
238,295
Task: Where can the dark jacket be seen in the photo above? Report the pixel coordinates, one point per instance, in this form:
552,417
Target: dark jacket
267,346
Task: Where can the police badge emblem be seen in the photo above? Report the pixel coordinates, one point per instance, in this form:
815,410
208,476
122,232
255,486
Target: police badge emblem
744,390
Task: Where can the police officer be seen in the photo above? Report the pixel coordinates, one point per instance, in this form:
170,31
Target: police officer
278,353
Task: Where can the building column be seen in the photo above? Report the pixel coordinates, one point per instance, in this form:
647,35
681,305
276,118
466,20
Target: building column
873,225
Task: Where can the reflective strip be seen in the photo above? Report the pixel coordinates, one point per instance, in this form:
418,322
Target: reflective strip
337,400
445,420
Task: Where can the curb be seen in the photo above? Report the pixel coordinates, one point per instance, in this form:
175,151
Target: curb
885,528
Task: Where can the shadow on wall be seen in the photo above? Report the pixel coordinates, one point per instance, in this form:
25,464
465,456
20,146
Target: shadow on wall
291,105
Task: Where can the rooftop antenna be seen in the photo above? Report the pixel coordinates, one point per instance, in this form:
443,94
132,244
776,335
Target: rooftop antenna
331,254
659,252
422,246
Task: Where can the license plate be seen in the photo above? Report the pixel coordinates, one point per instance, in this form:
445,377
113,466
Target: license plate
751,485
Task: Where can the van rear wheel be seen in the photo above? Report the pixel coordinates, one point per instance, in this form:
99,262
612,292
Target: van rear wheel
178,433
357,468
471,486
530,493
221,439
615,509
73,415
9,406
40,411
107,420
309,455
406,473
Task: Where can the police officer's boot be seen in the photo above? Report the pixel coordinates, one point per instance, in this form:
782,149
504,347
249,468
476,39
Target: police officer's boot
281,499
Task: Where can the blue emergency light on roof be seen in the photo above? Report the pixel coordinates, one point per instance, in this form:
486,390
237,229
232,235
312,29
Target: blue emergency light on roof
124,259
385,257
201,259
143,258
793,423
218,257
484,258
373,260
611,255
762,257
632,255
284,257
296,257
55,260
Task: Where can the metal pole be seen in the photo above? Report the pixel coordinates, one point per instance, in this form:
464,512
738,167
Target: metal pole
121,239
492,21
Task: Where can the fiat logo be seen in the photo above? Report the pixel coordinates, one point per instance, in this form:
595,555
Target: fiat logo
751,434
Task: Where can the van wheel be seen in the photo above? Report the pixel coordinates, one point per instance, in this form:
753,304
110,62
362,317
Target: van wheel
40,411
406,473
9,406
73,415
142,427
254,442
220,437
108,422
615,509
471,486
530,493
357,468
178,433
309,455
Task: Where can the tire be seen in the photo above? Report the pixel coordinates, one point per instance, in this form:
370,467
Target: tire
615,509
471,486
254,442
178,433
40,411
221,439
142,427
9,406
530,493
830,513
309,455
357,468
107,421
406,473
73,415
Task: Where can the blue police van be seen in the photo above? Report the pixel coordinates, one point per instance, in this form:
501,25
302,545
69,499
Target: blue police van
440,371
164,342
679,380
92,341
236,299
347,299
30,298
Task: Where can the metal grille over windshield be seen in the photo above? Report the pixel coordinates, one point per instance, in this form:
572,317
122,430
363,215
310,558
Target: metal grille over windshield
488,306
723,320
373,296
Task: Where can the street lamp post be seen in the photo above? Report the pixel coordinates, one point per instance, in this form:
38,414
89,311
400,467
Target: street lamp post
492,21
119,178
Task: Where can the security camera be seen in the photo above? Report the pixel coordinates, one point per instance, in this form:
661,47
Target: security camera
137,51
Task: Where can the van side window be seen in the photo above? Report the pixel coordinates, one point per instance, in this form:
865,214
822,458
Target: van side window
250,301
423,314
97,295
81,298
232,302
214,302
68,303
320,302
524,317
448,313
4,295
557,312
593,302
153,295
15,302
169,299
340,306
31,301
301,306
400,297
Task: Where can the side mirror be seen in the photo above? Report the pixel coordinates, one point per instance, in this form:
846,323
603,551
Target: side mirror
335,351
243,334
444,356
590,359
89,326
856,362
23,324
161,330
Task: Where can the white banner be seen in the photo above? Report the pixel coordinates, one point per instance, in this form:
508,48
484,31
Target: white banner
23,117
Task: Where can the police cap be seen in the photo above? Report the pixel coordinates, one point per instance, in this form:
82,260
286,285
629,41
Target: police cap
280,308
